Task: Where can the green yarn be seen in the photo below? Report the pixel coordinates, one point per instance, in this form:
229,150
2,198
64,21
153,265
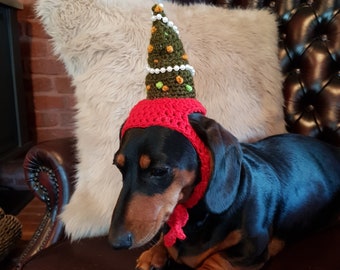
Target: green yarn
188,88
170,75
159,85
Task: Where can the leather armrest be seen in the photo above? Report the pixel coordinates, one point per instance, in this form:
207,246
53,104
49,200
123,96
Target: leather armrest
49,171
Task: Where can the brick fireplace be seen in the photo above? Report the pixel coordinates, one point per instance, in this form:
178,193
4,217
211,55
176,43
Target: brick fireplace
45,101
45,80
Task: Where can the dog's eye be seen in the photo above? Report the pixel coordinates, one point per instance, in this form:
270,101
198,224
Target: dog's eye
159,171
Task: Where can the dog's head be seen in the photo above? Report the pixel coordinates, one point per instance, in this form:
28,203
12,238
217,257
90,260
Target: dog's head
160,169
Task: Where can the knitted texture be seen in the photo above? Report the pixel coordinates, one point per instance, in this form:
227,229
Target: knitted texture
10,233
170,74
170,101
173,113
167,112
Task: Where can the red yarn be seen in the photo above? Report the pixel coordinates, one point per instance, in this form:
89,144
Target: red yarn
173,113
176,222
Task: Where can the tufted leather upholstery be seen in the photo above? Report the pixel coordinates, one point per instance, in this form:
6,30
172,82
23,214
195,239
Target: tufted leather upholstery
310,60
309,50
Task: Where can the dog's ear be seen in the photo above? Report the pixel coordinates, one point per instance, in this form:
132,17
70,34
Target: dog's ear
227,155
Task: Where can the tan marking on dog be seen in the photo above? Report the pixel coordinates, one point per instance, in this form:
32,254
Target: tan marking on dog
144,161
217,262
275,246
232,239
146,214
120,160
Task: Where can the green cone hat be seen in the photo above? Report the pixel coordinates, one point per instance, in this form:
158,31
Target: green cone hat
170,74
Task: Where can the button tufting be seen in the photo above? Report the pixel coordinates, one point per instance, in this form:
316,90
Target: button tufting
309,108
272,4
324,37
297,71
310,2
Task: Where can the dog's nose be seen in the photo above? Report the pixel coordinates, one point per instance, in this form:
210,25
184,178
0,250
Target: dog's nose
121,241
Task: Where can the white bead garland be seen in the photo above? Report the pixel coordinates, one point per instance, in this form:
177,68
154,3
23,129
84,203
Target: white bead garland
165,20
171,24
170,69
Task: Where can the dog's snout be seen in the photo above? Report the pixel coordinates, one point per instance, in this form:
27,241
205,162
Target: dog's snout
121,241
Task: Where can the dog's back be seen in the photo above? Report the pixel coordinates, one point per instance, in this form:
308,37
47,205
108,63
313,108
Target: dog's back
293,155
307,179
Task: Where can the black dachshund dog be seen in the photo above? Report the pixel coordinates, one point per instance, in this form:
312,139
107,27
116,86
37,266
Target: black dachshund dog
260,195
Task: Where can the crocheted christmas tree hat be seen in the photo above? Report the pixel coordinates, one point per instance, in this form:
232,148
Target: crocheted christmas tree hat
170,101
170,74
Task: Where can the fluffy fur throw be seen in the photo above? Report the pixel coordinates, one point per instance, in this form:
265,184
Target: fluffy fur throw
103,44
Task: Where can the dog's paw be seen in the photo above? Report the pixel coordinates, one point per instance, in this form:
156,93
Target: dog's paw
152,259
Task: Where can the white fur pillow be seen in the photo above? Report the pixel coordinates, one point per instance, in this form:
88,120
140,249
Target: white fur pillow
103,44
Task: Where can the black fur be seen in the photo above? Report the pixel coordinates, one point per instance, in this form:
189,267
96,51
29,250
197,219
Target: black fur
282,186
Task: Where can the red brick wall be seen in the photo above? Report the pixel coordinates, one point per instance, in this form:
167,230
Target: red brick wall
46,83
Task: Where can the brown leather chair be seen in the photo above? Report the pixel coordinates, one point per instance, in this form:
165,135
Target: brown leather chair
309,50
